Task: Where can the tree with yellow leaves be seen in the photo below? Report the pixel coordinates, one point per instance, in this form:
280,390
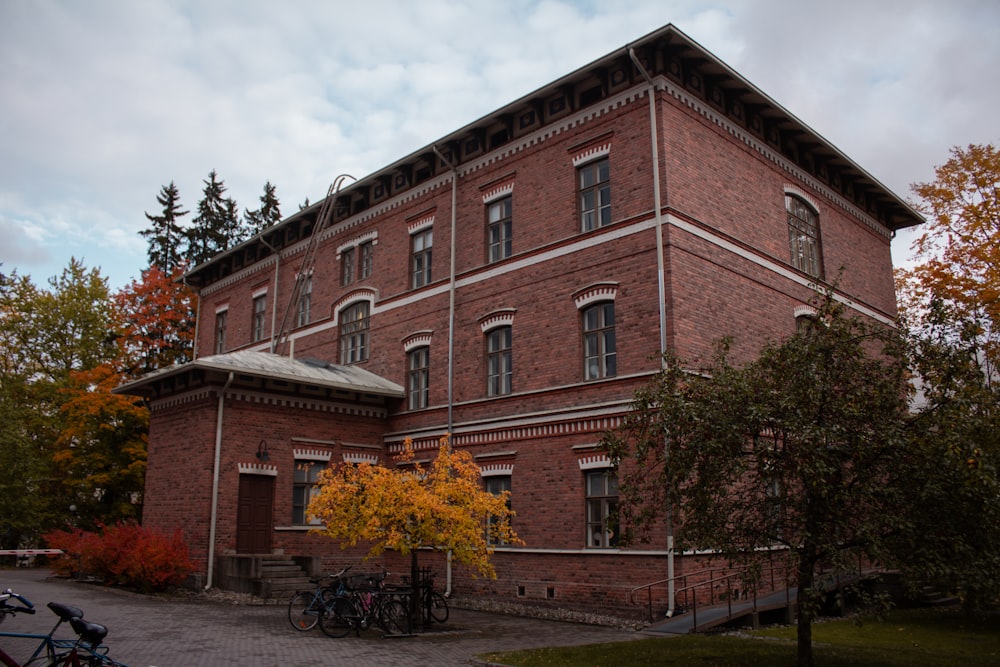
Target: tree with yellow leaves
442,506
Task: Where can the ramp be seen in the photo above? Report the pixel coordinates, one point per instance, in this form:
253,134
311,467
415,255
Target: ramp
700,619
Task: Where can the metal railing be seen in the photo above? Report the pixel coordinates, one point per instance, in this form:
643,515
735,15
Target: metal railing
746,583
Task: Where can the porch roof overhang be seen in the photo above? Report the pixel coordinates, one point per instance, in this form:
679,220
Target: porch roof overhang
264,370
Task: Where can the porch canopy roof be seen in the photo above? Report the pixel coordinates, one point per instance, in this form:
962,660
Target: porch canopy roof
264,370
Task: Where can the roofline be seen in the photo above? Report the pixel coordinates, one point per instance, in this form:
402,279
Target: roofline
668,34
133,388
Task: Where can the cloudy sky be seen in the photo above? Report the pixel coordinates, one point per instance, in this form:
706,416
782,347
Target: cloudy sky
102,102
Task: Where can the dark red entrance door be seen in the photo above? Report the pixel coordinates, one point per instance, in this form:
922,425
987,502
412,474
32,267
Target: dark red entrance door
254,514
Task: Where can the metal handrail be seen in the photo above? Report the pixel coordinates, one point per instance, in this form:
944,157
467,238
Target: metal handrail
691,588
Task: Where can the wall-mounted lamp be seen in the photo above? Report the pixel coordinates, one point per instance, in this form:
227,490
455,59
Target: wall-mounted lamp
262,451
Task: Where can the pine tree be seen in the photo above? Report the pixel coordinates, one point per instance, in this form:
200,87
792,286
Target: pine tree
165,235
267,215
216,227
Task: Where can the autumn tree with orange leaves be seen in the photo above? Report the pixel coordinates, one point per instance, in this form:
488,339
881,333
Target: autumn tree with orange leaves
957,255
950,310
442,506
157,314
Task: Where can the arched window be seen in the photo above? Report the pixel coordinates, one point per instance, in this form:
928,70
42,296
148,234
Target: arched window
499,363
418,361
354,333
600,359
803,236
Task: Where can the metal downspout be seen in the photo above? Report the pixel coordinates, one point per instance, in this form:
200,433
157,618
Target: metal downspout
661,291
451,324
215,483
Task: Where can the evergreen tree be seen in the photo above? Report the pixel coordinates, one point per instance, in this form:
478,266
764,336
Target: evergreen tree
165,235
216,227
267,215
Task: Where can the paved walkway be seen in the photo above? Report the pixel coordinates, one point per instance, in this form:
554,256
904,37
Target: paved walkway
154,632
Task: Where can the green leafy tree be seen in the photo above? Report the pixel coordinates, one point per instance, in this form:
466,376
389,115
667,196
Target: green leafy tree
801,448
952,540
268,215
46,335
166,235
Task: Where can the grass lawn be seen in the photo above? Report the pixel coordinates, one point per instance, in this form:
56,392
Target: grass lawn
917,637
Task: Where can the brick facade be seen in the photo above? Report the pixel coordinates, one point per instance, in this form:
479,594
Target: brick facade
727,160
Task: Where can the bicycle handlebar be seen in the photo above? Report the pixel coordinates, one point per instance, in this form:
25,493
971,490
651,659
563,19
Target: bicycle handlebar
26,606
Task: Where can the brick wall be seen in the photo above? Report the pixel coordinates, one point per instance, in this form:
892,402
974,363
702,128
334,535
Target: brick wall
727,272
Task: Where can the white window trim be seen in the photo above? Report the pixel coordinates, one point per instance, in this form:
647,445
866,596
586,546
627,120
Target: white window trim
592,154
420,224
258,469
797,192
497,193
595,293
595,462
360,240
359,457
419,339
310,455
496,470
497,319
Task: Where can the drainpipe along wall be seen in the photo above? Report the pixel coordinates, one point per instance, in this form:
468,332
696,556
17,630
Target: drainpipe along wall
215,483
451,323
661,289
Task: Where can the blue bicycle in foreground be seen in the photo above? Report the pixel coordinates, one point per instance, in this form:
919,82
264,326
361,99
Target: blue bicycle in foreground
86,650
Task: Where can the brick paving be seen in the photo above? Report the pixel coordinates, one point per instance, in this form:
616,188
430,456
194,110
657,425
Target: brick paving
147,631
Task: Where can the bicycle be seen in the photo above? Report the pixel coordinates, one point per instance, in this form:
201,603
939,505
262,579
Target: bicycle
433,605
305,607
54,649
88,651
360,609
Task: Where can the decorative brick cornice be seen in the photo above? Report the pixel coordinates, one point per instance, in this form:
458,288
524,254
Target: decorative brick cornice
258,469
312,404
420,224
514,434
311,454
498,318
494,469
591,154
359,457
798,192
371,236
803,311
594,462
771,155
179,399
498,192
606,291
418,339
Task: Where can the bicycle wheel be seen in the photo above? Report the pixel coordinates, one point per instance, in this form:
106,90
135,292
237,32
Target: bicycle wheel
393,617
338,617
303,611
437,607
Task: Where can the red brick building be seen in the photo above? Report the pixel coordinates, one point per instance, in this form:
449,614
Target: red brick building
512,283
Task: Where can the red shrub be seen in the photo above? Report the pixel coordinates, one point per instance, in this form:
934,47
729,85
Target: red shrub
125,554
